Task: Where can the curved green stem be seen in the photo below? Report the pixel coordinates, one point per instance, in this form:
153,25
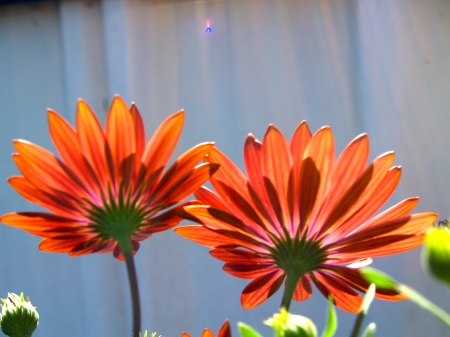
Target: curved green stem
129,260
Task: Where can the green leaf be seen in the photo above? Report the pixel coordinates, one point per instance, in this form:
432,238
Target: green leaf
331,325
380,279
247,331
370,330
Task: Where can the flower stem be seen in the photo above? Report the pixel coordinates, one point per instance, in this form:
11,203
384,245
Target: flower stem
289,288
129,260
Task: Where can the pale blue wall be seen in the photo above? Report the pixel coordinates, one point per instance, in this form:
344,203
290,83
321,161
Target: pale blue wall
380,67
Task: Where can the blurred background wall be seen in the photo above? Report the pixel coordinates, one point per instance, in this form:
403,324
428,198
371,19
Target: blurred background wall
375,66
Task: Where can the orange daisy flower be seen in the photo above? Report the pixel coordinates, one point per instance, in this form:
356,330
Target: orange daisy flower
302,217
224,331
108,190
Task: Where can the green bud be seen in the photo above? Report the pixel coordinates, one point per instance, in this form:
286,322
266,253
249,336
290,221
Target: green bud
287,325
436,253
18,318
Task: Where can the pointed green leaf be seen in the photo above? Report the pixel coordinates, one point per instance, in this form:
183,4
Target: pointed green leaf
380,279
247,331
370,330
331,325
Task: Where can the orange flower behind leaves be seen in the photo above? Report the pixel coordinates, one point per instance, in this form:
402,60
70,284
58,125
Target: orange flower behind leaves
224,331
108,190
302,217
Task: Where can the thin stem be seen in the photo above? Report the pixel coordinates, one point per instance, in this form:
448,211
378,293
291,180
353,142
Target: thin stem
358,324
129,260
289,288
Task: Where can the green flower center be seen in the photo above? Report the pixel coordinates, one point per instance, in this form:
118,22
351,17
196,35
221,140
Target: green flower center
118,217
297,255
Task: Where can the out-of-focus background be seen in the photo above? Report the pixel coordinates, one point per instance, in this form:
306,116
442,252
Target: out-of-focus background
375,66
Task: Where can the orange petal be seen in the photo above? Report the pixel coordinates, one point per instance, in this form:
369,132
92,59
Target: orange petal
161,145
68,146
139,132
248,270
366,190
344,297
276,165
298,144
236,255
303,290
397,211
225,330
120,136
40,224
93,143
204,236
207,333
411,225
348,167
61,246
315,174
45,171
56,204
260,289
353,277
253,164
187,185
183,166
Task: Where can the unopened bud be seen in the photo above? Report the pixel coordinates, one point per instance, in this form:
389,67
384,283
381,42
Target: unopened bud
287,325
18,318
436,253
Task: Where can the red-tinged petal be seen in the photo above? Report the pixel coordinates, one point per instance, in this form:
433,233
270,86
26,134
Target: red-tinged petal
276,165
344,297
234,255
45,171
247,213
161,145
362,192
139,133
260,289
184,334
93,143
380,246
348,167
353,277
397,211
118,252
248,270
207,333
204,236
188,184
120,136
303,290
411,225
61,245
208,197
67,143
225,330
298,144
182,166
214,218
48,201
232,178
315,174
38,223
253,163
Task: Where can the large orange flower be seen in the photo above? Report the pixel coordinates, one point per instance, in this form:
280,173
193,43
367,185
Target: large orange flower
224,331
301,216
108,190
